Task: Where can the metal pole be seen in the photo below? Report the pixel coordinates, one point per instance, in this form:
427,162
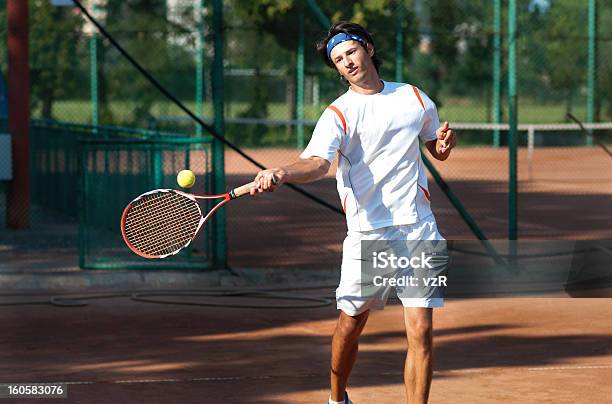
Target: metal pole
218,166
399,42
512,120
93,79
18,196
496,69
592,67
199,79
530,146
299,105
323,20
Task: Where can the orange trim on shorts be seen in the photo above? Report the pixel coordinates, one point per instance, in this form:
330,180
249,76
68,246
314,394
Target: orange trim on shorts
337,111
416,92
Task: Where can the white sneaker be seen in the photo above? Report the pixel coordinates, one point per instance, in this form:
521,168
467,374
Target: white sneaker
346,399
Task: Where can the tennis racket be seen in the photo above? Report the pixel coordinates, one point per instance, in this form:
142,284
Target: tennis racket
162,222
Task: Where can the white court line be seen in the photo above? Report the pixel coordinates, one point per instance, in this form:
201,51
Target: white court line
511,369
238,378
195,379
572,367
438,372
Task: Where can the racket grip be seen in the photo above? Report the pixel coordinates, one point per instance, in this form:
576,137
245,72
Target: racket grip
246,189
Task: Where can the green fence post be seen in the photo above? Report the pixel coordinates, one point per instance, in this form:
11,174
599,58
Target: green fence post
82,195
323,20
496,70
512,120
156,163
399,42
199,79
592,67
93,77
218,166
299,105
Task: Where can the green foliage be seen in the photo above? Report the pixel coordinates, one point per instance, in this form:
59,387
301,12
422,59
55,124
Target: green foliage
260,38
603,95
280,19
258,108
54,33
559,50
163,47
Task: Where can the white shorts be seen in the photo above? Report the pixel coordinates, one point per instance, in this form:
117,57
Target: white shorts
349,298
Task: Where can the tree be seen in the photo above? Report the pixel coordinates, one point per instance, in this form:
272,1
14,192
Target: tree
603,99
54,54
563,39
143,28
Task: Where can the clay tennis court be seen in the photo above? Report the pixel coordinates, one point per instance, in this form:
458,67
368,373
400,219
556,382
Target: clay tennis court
527,349
486,350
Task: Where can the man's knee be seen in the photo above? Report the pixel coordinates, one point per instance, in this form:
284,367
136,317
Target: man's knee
350,327
420,335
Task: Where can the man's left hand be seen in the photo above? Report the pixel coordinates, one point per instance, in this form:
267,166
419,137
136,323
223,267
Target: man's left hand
446,139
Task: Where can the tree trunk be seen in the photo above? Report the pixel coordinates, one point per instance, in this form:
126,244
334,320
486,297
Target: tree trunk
47,104
570,96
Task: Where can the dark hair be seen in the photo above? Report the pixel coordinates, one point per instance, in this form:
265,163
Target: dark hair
348,28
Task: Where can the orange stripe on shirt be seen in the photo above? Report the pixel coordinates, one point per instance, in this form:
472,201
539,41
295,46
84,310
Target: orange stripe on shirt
426,192
344,204
416,92
337,111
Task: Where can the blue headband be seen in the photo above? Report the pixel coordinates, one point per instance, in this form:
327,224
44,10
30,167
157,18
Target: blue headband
342,37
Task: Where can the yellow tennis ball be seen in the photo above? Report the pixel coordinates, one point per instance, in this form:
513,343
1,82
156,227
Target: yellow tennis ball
186,178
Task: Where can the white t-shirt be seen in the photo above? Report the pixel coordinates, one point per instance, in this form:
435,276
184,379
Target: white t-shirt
381,178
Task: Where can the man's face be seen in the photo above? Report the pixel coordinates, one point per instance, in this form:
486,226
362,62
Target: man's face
352,60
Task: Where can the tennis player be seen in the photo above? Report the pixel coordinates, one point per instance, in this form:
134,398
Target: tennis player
374,128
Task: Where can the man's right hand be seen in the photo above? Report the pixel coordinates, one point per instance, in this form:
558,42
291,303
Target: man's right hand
269,180
300,172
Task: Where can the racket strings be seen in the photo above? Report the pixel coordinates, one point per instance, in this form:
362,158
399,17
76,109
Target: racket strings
165,226
167,235
161,223
164,241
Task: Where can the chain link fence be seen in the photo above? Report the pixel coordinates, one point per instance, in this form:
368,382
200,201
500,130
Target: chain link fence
275,88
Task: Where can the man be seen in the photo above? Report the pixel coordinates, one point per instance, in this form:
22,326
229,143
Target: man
375,129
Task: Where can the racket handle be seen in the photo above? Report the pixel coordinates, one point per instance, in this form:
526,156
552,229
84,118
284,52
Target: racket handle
246,189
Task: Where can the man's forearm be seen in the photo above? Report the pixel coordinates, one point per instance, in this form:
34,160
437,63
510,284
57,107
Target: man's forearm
306,170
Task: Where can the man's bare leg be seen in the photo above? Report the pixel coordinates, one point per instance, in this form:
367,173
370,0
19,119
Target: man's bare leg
418,370
344,351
